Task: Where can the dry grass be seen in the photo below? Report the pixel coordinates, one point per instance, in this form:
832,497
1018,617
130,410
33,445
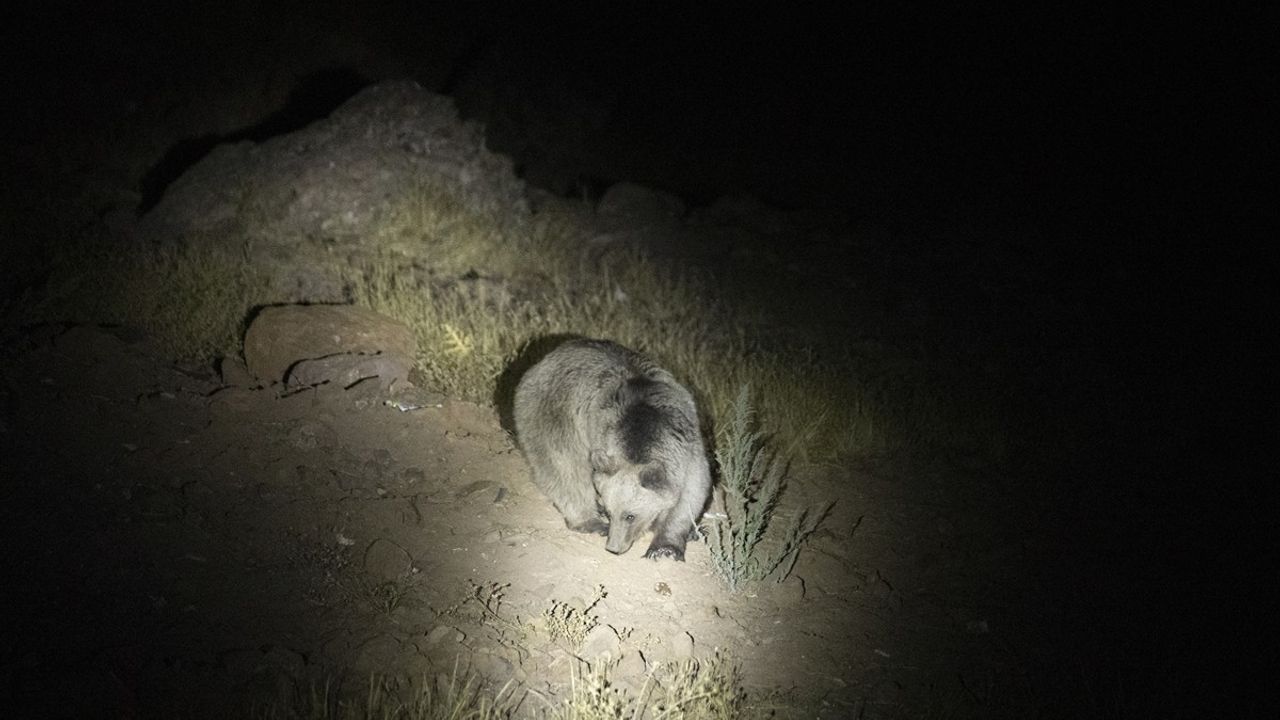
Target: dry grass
460,696
191,301
707,689
478,284
548,280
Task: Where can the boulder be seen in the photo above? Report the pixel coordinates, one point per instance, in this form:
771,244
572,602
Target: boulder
336,178
285,336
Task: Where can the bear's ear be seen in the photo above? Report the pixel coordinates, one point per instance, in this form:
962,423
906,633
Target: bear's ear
654,479
603,462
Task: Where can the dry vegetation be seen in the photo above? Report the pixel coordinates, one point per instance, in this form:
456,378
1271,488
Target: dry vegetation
695,689
477,285
709,689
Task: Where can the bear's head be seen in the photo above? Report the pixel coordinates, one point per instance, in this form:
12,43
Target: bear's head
632,497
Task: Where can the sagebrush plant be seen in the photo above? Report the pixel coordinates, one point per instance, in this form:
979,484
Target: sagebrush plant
753,477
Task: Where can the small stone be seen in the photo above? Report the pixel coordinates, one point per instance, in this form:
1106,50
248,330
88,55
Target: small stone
281,336
386,560
349,370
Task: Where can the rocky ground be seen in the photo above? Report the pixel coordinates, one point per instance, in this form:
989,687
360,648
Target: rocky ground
179,545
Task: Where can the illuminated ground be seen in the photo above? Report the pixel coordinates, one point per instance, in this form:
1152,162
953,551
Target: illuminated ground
187,547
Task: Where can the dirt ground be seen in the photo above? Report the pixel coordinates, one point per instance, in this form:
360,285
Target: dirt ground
181,548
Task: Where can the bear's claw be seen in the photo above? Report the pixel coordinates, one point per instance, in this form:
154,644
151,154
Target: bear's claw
665,551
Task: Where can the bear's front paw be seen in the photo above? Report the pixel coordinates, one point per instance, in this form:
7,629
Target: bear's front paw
665,551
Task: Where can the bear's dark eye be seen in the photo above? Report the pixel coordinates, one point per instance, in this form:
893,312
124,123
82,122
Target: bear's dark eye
629,517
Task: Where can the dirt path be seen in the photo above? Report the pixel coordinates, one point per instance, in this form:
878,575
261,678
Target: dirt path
179,547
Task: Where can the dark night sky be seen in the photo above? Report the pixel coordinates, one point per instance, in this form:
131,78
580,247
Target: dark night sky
1077,104
908,108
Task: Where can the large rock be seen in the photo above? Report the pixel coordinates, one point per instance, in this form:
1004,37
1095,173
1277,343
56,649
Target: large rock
301,204
338,176
286,336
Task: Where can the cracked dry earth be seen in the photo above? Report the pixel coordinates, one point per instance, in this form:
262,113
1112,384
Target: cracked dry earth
180,548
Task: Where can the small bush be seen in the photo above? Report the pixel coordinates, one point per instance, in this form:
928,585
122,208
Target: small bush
754,478
571,625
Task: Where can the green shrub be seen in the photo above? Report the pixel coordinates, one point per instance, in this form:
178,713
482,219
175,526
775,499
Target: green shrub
753,478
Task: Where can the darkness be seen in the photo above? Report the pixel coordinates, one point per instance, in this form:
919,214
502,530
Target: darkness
1123,156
